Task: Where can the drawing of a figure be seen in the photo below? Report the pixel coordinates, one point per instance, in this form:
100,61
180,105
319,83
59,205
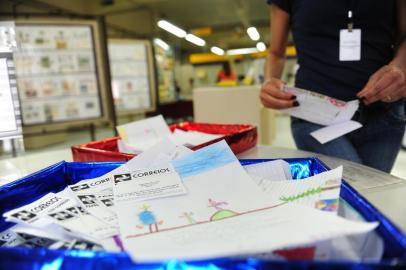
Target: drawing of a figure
189,217
220,211
217,205
147,218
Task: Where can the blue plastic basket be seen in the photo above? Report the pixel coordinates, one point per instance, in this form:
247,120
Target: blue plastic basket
55,178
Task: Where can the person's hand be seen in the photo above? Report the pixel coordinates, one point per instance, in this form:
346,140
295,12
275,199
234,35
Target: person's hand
388,84
273,97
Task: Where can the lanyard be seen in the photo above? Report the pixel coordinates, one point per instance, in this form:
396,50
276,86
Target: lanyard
350,22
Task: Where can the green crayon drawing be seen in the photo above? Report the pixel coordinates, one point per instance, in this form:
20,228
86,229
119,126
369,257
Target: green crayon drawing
302,195
220,213
189,217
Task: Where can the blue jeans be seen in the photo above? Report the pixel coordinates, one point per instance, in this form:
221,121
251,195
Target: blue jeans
376,144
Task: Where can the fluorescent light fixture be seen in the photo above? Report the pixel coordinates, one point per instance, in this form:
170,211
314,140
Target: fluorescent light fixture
161,44
195,40
261,46
242,51
253,33
217,50
171,28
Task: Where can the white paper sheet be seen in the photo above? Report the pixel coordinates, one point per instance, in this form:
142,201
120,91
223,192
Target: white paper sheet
332,132
211,220
80,244
53,231
192,138
145,133
102,187
28,236
361,247
9,238
123,147
276,170
321,191
256,232
77,219
140,135
34,241
320,109
96,196
208,175
35,213
147,184
153,156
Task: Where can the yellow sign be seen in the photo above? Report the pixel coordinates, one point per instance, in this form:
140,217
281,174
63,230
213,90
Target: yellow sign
201,58
202,32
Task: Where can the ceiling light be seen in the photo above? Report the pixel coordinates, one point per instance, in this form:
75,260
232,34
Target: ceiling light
261,46
242,51
173,29
161,44
253,33
195,40
217,50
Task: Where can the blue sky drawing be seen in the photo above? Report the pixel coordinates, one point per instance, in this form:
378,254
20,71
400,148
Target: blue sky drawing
205,159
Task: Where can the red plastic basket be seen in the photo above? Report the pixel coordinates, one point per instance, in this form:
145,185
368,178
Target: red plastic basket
238,137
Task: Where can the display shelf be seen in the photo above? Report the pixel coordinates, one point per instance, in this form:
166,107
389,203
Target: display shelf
166,76
10,117
60,69
53,97
132,76
23,50
56,74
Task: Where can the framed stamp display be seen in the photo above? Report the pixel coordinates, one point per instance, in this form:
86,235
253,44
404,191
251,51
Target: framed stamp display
10,117
132,75
60,72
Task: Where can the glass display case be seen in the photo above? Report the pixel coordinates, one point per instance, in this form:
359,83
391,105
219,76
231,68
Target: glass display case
166,76
132,75
59,68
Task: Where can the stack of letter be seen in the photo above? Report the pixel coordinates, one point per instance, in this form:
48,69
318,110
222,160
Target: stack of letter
170,202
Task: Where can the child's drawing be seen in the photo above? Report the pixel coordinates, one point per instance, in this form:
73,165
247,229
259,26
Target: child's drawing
220,211
147,218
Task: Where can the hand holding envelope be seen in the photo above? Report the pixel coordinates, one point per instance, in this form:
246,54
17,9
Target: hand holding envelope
323,110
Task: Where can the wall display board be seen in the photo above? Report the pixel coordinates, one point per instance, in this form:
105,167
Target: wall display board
166,75
132,75
60,72
7,36
10,117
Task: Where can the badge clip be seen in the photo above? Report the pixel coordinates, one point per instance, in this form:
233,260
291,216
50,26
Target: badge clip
350,24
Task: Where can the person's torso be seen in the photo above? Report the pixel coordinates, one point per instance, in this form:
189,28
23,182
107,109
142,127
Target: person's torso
316,25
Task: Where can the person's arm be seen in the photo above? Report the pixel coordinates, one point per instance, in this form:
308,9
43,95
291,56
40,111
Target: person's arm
279,35
388,84
271,95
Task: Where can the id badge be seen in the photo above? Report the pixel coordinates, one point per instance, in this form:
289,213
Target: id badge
350,45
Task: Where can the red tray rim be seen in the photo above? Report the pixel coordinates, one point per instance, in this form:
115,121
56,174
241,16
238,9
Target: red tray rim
85,146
